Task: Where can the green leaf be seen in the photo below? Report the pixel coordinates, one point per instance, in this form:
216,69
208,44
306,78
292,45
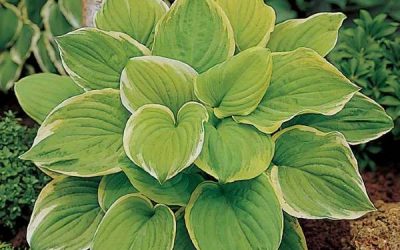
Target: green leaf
318,32
95,58
196,32
233,151
33,8
82,136
54,20
293,237
42,51
361,120
298,77
72,11
66,215
182,238
133,223
136,18
244,215
40,93
325,167
236,86
10,24
252,21
9,71
112,187
157,80
175,191
162,144
23,45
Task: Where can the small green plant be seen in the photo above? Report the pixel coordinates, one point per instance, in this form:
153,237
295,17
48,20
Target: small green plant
369,55
196,126
5,246
28,26
20,181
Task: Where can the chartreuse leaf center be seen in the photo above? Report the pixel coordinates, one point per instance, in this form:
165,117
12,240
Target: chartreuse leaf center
162,145
137,18
196,32
236,86
245,215
298,77
157,80
133,223
325,166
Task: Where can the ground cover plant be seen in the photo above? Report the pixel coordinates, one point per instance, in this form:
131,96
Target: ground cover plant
199,126
28,26
20,181
369,55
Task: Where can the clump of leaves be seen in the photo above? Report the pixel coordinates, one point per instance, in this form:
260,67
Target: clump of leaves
20,181
369,55
28,26
193,126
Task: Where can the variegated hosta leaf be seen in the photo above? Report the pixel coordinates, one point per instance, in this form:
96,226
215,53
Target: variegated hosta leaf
361,120
42,51
234,151
33,8
95,58
293,237
196,32
302,82
136,18
252,21
10,24
82,136
40,93
54,20
236,86
9,71
72,10
162,144
175,191
157,80
318,32
182,238
133,223
66,215
23,45
112,187
315,175
244,215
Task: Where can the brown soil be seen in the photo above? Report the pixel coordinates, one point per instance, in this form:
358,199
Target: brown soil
375,231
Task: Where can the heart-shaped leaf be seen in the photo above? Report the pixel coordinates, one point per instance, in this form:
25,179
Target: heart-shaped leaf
196,32
66,214
244,215
175,191
82,136
95,59
298,77
112,187
40,93
136,18
53,19
133,223
157,80
325,167
318,32
232,89
252,21
162,144
182,238
21,50
234,151
361,120
293,237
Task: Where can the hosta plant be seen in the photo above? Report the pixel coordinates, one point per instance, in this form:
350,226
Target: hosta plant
202,125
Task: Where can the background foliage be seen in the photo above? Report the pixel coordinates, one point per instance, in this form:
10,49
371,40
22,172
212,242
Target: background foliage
20,181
